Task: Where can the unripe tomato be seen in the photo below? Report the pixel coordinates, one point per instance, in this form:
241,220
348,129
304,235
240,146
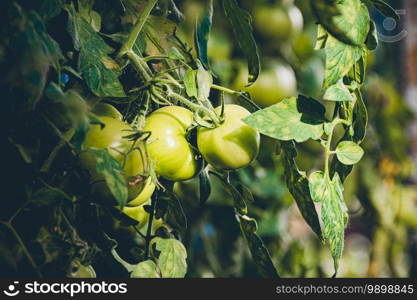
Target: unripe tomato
138,213
174,157
272,22
107,110
272,86
278,22
113,138
145,195
297,20
219,47
233,144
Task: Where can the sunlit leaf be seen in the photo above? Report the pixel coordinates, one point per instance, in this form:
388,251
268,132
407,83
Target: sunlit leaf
172,257
293,118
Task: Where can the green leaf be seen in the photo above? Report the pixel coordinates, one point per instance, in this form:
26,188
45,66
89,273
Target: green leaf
241,22
349,153
48,196
50,8
172,257
338,92
293,118
318,186
360,118
202,34
190,83
259,252
145,269
112,172
204,83
346,20
205,186
298,186
340,58
334,217
85,8
238,198
100,72
385,9
372,39
171,205
174,53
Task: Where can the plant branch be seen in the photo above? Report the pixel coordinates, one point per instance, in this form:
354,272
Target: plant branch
148,237
128,45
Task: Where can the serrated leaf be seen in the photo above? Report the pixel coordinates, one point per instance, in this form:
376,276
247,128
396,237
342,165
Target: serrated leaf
145,269
260,253
334,217
101,73
241,22
338,92
349,153
172,257
346,20
298,186
293,118
202,34
112,172
385,9
85,8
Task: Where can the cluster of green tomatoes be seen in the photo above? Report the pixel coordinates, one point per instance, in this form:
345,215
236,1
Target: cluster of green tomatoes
230,145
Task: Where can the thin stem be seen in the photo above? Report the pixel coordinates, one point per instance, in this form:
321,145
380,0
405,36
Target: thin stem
25,250
193,106
128,46
148,237
224,89
327,147
138,65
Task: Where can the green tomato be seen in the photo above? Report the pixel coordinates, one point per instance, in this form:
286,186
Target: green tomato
174,157
113,138
272,22
297,20
83,272
272,86
278,22
233,144
107,110
145,195
219,47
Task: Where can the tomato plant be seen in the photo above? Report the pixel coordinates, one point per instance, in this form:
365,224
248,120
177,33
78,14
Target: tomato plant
137,138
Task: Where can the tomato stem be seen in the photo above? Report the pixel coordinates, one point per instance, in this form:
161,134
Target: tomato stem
148,237
224,89
128,45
